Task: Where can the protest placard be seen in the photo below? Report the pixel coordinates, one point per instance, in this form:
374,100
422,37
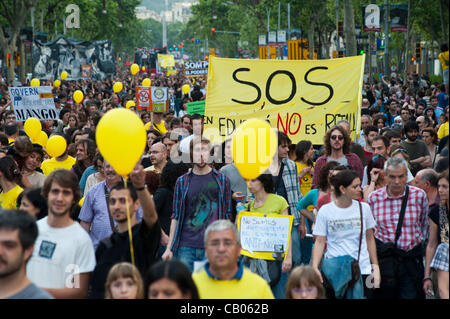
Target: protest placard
302,98
261,233
33,101
197,107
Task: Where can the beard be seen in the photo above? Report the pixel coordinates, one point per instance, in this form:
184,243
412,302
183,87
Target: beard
11,269
412,138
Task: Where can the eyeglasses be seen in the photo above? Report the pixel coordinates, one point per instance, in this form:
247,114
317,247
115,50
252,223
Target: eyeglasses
228,243
307,291
339,137
377,157
419,122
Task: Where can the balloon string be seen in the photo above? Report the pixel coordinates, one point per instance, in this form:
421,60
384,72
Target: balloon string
129,227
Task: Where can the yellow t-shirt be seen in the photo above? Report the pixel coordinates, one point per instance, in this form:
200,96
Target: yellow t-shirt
274,204
250,286
443,57
52,164
8,200
443,130
305,182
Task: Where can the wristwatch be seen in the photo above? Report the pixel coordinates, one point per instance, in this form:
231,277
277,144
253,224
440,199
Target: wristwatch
141,188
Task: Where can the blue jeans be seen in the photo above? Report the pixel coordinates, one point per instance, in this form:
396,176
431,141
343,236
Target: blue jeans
187,255
306,246
296,247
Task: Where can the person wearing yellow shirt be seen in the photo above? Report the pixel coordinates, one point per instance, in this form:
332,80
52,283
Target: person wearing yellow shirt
223,276
64,161
9,179
444,59
304,152
443,129
158,123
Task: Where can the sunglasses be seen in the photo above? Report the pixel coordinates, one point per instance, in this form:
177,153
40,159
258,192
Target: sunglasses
376,158
339,137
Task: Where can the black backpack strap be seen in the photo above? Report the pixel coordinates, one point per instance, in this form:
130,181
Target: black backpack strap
398,231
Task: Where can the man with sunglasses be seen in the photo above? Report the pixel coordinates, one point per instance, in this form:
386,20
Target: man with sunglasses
337,145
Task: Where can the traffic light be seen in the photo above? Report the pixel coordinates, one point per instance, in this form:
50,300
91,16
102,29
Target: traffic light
361,52
17,58
341,54
8,60
340,28
262,53
418,51
412,59
192,40
213,31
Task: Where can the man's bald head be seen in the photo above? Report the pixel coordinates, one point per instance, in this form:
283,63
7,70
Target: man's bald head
426,178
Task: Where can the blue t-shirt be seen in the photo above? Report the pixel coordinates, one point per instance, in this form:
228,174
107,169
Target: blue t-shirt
201,209
442,100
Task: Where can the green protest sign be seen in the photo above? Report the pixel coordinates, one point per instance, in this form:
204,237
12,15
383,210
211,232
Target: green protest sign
197,107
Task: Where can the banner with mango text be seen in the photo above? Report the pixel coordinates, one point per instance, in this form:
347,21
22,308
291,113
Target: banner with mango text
302,98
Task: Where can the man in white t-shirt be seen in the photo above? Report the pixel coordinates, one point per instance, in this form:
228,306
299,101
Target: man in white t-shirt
63,257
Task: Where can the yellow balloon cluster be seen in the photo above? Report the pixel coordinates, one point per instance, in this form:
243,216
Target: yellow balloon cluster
56,146
117,87
78,96
64,75
35,82
57,83
134,68
254,146
33,129
121,139
146,82
186,88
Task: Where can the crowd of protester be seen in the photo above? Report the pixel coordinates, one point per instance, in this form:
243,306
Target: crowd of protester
347,196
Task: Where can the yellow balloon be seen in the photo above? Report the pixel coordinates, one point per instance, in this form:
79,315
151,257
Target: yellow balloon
78,96
143,68
32,127
35,82
80,203
186,88
134,68
64,75
254,146
56,146
42,139
56,83
121,139
130,104
146,82
117,87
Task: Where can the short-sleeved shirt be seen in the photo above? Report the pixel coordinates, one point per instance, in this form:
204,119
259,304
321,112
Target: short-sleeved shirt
342,227
52,164
59,254
201,209
8,200
416,150
274,204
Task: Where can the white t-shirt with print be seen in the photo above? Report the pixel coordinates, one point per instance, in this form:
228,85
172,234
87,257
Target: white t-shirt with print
59,254
342,227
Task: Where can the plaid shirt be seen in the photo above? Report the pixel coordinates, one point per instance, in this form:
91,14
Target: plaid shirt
179,201
386,211
292,185
353,161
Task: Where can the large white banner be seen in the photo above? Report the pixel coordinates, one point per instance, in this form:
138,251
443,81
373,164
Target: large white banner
33,101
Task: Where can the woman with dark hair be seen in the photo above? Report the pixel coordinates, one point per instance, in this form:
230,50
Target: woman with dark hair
379,121
338,225
163,197
170,279
32,201
267,202
429,113
376,176
10,179
436,256
429,136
